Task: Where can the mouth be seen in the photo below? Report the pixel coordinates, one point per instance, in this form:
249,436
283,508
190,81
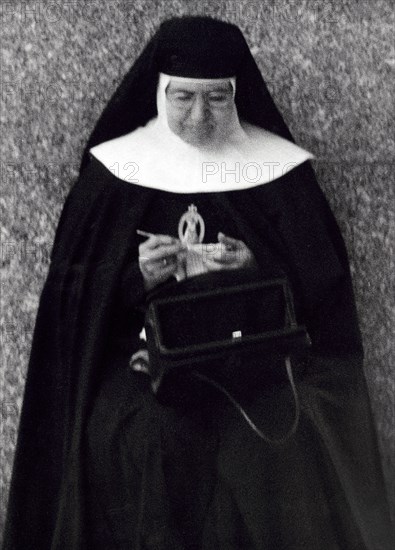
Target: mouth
199,131
207,126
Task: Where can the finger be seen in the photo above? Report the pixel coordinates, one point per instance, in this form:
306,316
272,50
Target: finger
222,255
157,240
225,258
163,260
156,271
164,251
160,252
229,241
167,269
153,267
218,266
163,272
166,260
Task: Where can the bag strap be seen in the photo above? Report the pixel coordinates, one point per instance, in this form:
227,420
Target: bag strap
239,408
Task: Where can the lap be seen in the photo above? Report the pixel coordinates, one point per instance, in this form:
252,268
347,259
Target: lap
150,466
189,474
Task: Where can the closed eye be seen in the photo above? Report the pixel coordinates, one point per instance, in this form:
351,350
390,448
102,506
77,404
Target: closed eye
182,96
218,97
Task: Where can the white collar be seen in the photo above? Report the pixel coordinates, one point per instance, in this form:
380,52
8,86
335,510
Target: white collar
153,156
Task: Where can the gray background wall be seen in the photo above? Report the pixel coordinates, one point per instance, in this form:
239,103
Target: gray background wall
330,69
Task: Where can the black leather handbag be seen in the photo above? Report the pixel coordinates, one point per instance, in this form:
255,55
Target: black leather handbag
235,324
229,331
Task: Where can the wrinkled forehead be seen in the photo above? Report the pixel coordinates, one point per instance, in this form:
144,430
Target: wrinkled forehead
199,84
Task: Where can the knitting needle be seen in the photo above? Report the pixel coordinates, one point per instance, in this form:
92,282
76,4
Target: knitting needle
145,233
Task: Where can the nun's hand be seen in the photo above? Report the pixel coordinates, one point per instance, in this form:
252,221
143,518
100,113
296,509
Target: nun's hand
231,254
159,257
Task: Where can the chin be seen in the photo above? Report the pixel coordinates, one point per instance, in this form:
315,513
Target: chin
198,140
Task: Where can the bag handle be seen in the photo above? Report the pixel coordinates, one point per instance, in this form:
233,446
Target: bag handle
239,408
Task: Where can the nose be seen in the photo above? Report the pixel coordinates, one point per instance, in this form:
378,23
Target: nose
199,111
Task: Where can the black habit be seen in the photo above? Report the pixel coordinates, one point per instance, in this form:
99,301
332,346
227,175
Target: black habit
199,478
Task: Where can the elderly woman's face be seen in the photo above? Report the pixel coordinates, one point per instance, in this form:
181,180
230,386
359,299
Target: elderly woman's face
199,112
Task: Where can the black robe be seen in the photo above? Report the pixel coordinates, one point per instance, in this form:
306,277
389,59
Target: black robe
99,463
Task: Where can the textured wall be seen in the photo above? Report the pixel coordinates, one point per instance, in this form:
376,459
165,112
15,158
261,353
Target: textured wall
330,69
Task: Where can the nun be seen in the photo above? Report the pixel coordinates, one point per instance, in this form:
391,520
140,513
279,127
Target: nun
191,171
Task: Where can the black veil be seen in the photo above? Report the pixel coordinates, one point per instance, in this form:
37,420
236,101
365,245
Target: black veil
190,46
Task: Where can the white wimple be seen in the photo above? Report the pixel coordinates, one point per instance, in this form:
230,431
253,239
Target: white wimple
153,156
